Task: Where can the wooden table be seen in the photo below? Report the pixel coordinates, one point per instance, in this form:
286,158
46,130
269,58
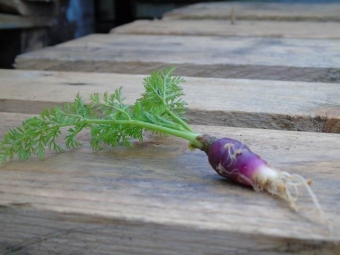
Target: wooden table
291,59
243,28
296,46
258,11
281,105
158,197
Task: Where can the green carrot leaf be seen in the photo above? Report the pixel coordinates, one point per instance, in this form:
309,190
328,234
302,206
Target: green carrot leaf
109,119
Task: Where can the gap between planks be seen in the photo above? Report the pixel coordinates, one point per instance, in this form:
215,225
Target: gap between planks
211,101
289,59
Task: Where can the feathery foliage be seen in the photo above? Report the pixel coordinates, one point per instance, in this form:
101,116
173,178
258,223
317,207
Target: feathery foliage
161,109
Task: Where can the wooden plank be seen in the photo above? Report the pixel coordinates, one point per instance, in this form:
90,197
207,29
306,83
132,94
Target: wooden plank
29,8
211,101
19,22
149,200
19,41
293,29
258,11
315,60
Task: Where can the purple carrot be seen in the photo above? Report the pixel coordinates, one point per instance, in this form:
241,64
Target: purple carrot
160,109
235,161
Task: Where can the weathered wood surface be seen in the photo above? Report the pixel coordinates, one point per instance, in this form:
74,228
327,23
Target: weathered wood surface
29,8
160,198
19,22
211,101
330,30
258,11
315,60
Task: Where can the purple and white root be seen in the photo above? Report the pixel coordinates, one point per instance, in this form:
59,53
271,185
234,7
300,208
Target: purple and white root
235,161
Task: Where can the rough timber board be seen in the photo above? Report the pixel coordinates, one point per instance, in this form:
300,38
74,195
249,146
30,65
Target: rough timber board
258,11
70,234
328,30
232,57
106,199
211,101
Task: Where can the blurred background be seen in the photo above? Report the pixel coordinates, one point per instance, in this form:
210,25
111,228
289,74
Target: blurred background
27,25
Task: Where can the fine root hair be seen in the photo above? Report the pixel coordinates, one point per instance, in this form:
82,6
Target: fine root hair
287,187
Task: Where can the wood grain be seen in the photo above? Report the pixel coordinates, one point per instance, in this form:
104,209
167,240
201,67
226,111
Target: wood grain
211,101
242,28
160,198
258,11
315,60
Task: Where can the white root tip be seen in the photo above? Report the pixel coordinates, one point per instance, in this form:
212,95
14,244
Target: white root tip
287,185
